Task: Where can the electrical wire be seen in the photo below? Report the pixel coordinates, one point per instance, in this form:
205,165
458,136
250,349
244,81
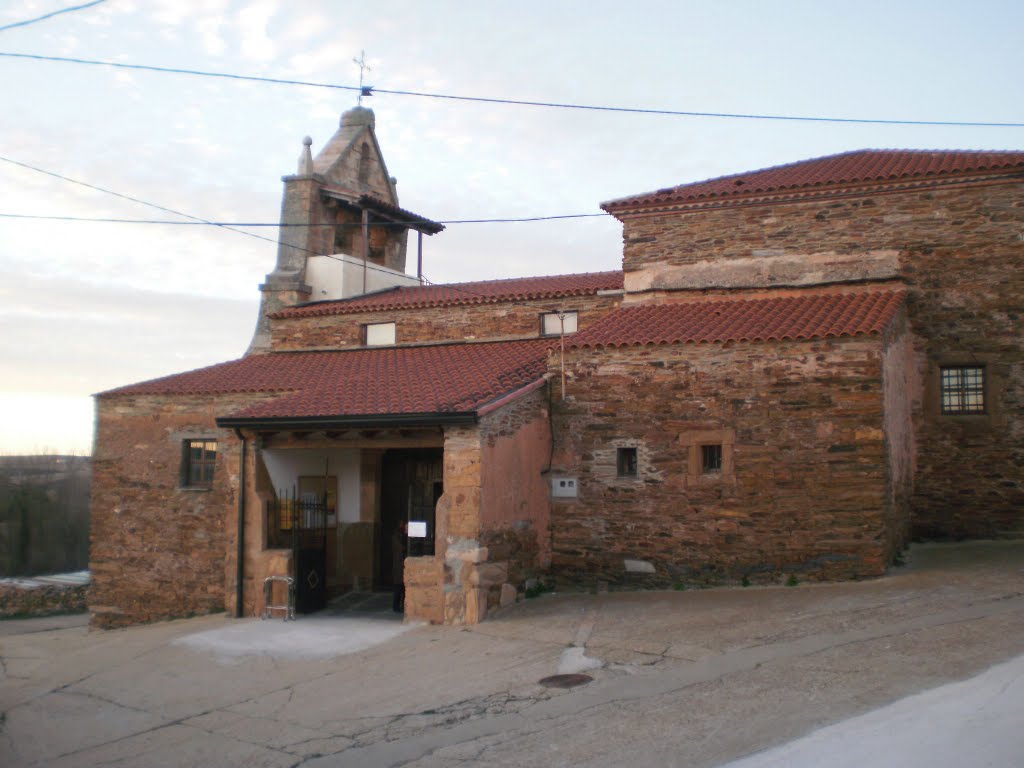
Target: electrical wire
50,15
196,219
371,90
229,224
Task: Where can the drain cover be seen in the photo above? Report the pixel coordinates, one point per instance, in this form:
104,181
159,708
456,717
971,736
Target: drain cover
565,681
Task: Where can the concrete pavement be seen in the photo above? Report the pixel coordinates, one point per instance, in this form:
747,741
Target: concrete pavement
693,678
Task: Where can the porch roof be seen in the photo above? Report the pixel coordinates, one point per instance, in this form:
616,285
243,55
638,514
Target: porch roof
394,385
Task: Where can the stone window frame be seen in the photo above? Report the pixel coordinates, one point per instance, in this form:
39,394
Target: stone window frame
188,463
992,387
381,325
694,441
574,314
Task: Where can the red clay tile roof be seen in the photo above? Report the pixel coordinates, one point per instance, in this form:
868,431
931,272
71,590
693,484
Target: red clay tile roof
862,167
452,378
462,378
766,319
452,294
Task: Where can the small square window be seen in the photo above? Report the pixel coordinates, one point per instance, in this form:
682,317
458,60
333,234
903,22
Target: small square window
199,457
380,334
551,323
710,458
626,462
962,390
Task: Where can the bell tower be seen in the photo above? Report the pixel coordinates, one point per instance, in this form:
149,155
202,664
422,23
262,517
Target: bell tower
342,231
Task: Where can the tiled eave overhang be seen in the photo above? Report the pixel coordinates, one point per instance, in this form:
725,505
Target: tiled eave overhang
804,194
360,421
383,210
379,420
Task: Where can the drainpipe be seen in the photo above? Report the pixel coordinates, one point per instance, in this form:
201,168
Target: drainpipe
419,257
240,572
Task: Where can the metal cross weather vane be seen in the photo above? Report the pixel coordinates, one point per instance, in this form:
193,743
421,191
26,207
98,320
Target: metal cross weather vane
364,90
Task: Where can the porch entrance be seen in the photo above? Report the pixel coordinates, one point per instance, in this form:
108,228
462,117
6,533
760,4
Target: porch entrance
299,522
411,484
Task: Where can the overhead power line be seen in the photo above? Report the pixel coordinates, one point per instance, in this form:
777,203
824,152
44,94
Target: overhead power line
50,15
229,224
129,197
371,90
179,71
196,219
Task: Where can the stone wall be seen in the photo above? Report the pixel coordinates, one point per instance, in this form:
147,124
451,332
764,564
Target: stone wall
159,550
486,321
43,600
515,512
493,518
803,484
962,254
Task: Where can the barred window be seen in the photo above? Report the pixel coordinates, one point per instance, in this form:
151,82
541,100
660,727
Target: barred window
625,461
198,460
962,389
711,458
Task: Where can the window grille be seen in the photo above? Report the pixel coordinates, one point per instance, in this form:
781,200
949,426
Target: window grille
962,389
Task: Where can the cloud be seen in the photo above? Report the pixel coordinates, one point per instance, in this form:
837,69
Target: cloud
42,423
308,26
119,334
210,33
251,23
62,340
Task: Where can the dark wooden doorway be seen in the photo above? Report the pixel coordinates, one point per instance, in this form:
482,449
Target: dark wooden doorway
411,484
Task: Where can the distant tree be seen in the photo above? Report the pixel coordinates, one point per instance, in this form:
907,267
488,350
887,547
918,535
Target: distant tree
44,514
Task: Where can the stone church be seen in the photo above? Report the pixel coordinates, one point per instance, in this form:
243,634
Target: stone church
796,371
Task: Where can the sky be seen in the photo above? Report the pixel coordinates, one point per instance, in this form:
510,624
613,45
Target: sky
87,306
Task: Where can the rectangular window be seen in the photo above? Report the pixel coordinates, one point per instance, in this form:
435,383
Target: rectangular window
551,324
962,390
711,458
380,334
198,460
626,462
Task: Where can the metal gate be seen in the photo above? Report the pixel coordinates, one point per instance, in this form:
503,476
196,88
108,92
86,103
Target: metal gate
301,525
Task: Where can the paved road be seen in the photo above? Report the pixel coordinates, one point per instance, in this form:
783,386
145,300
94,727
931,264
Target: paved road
695,678
975,723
